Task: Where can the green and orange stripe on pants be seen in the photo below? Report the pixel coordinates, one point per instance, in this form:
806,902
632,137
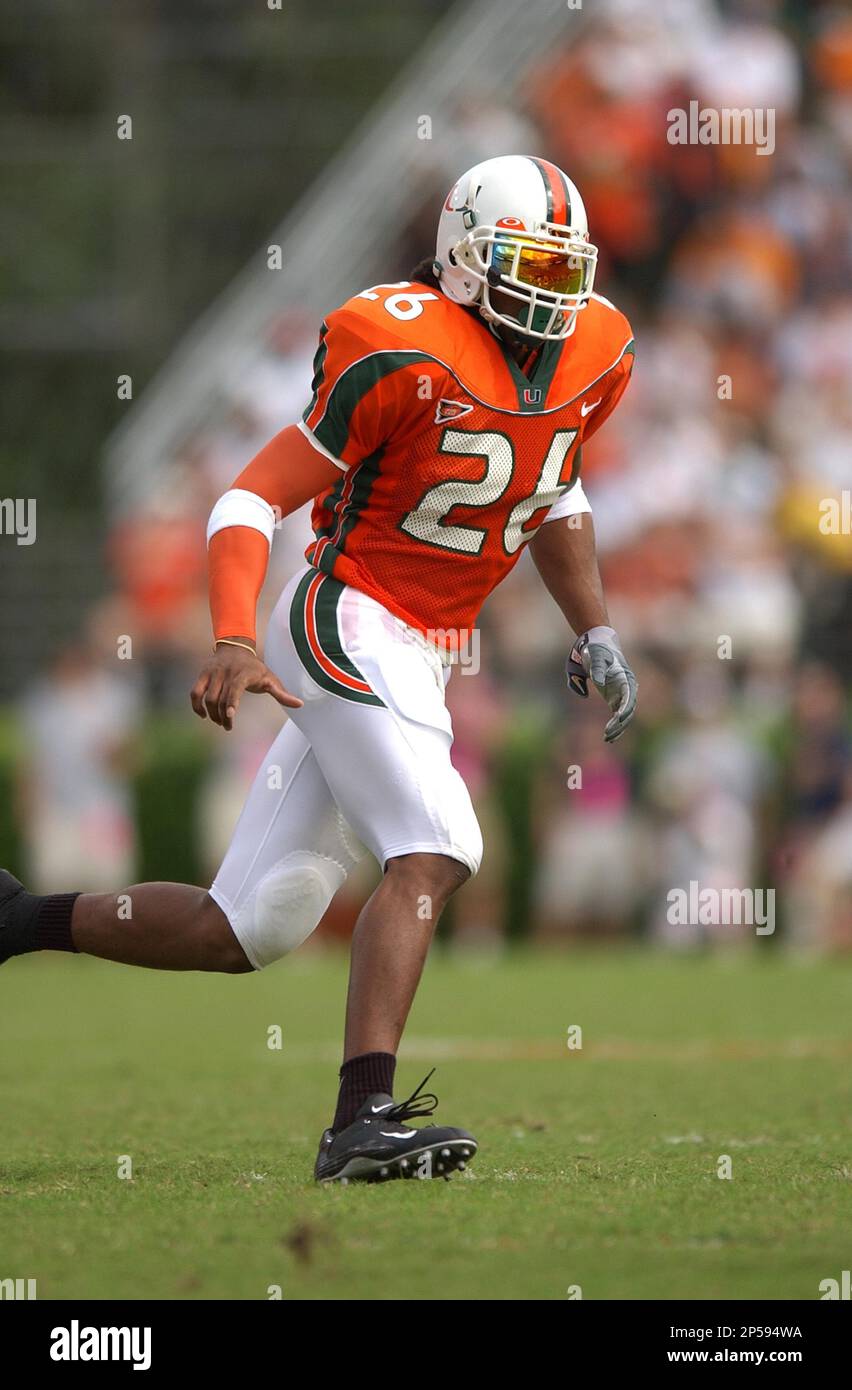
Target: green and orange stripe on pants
316,636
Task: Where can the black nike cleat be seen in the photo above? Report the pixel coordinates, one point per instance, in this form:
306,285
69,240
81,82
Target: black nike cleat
378,1146
13,934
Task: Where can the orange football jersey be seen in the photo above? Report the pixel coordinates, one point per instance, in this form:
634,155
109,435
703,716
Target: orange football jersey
451,455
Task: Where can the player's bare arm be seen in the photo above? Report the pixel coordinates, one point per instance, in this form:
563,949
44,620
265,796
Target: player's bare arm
565,556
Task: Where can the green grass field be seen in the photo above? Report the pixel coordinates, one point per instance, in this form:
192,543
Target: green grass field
597,1167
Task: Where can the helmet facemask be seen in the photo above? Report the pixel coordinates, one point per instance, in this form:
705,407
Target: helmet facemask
550,272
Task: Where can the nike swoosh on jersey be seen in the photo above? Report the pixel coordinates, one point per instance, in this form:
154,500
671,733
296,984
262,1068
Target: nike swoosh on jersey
586,409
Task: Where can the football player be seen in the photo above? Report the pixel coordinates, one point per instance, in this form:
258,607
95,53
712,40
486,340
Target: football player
444,435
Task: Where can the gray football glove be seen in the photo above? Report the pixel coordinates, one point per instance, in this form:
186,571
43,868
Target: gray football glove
597,656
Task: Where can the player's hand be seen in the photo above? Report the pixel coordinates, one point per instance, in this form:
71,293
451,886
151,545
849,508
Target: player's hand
596,656
223,678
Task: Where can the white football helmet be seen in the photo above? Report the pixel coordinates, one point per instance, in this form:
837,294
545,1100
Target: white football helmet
517,225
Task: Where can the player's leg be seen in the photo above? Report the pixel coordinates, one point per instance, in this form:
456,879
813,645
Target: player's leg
369,1138
290,852
389,948
270,892
375,716
165,926
168,926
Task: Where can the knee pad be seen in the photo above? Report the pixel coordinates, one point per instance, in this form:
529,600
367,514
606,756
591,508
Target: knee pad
474,847
287,905
467,842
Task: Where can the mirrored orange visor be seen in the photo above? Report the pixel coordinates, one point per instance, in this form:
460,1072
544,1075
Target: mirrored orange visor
541,268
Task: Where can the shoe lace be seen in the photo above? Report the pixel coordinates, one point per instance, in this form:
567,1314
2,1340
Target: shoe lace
419,1103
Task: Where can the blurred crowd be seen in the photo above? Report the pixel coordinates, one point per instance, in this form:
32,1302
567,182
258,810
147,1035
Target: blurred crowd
708,485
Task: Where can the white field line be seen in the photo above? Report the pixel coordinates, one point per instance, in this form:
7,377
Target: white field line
440,1049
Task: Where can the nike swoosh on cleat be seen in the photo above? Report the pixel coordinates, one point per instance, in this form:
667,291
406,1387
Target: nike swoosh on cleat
377,1109
396,1134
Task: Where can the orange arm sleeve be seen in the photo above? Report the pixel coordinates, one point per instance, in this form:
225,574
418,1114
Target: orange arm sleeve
237,558
286,473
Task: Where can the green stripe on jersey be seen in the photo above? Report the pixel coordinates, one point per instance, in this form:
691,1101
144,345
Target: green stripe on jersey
349,390
319,371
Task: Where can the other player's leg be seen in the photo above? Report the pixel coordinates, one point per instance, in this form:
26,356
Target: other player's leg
167,926
289,853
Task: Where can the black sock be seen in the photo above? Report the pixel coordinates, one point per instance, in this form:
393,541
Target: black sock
361,1077
53,922
31,922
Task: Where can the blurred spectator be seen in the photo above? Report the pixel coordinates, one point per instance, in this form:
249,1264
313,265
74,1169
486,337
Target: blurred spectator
79,726
706,785
815,851
480,717
593,869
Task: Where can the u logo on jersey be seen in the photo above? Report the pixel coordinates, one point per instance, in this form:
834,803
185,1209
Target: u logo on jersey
532,395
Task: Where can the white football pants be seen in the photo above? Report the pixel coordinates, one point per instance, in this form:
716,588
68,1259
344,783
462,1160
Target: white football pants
364,762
